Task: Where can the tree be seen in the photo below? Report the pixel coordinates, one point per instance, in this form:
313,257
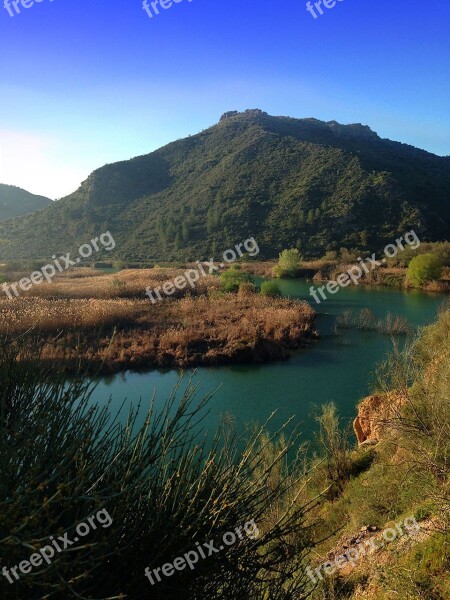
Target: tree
171,230
423,268
185,232
213,219
288,263
210,220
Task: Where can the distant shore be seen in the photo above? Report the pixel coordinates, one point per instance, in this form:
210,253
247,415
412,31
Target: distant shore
324,271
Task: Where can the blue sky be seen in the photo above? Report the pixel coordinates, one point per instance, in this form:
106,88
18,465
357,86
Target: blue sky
86,83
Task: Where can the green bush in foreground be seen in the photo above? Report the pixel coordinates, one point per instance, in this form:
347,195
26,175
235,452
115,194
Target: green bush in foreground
62,458
424,268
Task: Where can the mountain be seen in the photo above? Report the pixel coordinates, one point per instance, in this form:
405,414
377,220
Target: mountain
15,202
319,185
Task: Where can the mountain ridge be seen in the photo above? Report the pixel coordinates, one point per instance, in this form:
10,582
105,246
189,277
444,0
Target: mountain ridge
290,182
15,201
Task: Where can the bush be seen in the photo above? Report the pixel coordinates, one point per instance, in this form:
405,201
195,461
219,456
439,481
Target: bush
231,279
424,268
269,288
335,445
288,263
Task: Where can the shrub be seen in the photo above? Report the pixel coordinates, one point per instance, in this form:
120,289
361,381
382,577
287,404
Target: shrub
288,263
366,320
424,268
63,458
335,445
348,256
269,288
231,279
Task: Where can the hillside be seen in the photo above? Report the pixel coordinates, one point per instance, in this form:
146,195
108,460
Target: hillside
15,202
398,474
304,182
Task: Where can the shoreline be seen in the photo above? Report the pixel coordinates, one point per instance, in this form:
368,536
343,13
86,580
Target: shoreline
267,352
325,272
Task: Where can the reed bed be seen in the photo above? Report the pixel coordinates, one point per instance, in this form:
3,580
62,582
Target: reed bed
130,283
116,333
366,320
43,315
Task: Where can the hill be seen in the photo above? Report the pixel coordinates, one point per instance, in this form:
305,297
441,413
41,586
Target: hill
288,182
15,202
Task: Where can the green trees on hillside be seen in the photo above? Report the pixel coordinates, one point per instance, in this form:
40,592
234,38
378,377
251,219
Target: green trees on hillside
270,178
15,201
213,219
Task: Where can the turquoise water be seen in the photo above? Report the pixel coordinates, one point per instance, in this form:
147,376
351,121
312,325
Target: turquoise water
335,368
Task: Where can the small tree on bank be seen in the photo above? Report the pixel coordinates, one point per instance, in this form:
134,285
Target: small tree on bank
288,263
424,268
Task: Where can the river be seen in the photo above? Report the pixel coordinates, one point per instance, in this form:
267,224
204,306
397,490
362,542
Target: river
335,368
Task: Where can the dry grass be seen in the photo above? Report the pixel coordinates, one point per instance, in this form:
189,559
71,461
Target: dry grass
131,283
436,286
260,269
366,320
77,317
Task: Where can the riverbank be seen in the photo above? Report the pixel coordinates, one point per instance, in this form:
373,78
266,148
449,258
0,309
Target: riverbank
397,475
324,271
101,322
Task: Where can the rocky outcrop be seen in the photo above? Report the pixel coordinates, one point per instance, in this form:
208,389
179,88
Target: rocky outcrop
374,415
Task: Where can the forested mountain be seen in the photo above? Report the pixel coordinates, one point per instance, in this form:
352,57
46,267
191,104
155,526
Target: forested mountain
288,182
15,202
